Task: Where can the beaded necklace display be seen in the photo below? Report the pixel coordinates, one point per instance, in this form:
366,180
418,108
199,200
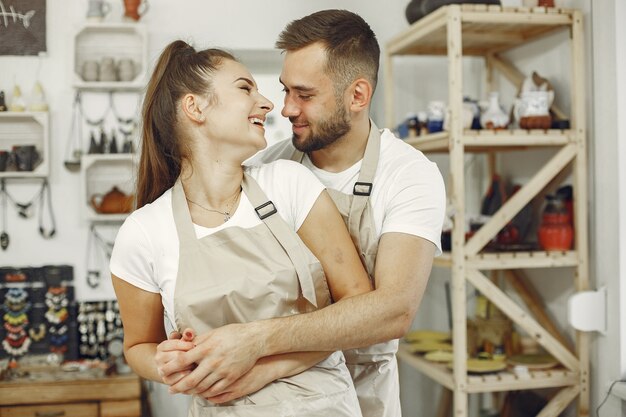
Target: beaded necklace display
16,307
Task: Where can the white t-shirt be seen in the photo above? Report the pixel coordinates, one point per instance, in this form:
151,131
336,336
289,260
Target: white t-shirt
408,195
146,248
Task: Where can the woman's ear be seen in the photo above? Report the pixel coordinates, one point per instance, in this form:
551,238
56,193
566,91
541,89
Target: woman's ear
360,95
192,108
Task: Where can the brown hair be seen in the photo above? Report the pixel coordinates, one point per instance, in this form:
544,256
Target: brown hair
352,50
179,70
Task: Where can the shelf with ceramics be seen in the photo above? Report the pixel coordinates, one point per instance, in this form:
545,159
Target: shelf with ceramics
110,56
24,144
489,140
108,184
457,31
492,381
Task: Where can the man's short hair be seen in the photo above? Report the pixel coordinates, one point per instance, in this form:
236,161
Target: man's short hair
352,50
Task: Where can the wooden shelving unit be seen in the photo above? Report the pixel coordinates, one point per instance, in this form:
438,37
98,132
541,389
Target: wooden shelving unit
479,30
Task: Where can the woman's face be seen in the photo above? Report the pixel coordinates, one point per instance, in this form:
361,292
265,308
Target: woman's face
236,114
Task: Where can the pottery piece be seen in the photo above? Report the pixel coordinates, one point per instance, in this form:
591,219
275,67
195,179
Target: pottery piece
494,117
113,202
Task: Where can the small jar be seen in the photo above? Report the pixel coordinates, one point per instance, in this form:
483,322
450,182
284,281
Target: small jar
555,232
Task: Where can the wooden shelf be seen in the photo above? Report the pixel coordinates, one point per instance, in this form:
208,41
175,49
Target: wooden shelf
476,141
485,29
499,381
514,260
456,31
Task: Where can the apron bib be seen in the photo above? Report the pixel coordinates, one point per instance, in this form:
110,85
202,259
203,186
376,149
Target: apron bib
239,275
374,369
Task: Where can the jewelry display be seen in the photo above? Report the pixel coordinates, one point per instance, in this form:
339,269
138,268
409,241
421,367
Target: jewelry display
16,306
37,310
94,262
25,209
98,324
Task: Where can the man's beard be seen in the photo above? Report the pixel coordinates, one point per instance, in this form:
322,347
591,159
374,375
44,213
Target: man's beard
326,132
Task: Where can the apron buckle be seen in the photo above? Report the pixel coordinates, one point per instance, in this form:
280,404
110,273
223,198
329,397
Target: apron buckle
362,188
265,210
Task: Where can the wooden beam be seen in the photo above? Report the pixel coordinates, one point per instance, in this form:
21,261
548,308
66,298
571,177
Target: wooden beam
559,402
522,319
525,289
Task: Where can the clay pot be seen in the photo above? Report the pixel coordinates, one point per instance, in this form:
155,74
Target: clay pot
132,9
556,232
113,202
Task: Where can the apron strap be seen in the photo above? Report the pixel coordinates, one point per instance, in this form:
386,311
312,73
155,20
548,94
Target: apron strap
265,209
363,186
182,217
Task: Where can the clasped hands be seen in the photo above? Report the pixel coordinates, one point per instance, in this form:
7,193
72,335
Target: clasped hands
214,365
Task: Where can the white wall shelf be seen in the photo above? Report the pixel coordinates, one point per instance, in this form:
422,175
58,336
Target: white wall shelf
22,129
95,41
99,174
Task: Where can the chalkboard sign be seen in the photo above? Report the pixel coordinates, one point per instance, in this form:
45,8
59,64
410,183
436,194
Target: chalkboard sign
22,27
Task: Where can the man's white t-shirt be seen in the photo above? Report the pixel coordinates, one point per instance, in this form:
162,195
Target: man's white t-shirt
146,248
408,195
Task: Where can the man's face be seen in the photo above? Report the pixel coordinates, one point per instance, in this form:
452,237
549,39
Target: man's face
318,118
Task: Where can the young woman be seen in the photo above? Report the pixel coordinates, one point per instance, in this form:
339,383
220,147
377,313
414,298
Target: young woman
214,244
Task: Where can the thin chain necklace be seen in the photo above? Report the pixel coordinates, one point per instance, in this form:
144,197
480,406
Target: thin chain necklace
229,207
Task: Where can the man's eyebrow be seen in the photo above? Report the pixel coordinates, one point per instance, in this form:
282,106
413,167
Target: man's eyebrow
302,88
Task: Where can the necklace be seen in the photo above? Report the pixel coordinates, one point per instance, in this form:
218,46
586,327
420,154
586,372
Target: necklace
225,213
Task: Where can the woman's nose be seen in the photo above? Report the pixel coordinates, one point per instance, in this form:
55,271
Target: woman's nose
266,104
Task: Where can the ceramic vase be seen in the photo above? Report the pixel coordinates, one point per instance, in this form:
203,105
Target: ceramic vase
494,117
132,9
555,232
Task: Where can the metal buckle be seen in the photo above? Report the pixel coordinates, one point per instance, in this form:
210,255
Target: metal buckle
265,210
362,188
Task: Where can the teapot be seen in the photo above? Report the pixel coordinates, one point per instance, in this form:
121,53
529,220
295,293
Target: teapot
113,202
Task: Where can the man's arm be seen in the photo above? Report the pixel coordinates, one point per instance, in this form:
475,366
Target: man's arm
402,269
403,265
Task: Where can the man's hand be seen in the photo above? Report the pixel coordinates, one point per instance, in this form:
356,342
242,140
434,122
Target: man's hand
169,352
252,381
222,357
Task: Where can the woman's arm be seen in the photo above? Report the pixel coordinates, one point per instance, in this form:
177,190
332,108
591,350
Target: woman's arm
326,235
142,316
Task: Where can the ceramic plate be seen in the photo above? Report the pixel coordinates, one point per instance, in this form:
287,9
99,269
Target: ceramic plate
483,366
421,335
439,356
533,361
429,346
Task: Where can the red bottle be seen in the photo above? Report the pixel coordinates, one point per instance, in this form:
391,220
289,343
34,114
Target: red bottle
556,232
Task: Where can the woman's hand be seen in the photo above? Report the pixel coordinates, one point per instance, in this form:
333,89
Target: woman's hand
171,352
220,356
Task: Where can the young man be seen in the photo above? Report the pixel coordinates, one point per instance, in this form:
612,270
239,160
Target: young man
392,199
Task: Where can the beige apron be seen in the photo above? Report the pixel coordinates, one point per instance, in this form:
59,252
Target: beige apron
374,369
240,275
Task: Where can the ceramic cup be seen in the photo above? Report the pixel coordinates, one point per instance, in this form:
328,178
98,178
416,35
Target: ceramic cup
90,70
4,159
107,69
126,69
97,10
25,157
